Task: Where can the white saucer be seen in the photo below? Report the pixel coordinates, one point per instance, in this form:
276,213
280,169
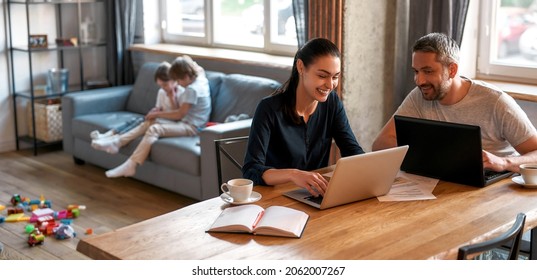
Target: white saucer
255,196
519,180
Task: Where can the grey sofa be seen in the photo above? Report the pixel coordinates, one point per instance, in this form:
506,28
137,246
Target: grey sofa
185,165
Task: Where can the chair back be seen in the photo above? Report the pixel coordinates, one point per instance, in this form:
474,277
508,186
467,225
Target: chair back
512,236
230,165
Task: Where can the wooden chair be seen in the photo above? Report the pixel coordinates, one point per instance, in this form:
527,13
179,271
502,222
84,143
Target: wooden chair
512,236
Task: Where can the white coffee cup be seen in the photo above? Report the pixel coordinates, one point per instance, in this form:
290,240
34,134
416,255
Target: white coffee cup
239,189
529,173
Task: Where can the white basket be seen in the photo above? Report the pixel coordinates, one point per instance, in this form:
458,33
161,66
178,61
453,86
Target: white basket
48,120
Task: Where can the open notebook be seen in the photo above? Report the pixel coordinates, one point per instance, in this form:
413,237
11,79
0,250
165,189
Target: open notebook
357,178
444,150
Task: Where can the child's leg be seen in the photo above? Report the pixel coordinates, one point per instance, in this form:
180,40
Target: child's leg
131,124
126,169
112,144
134,133
134,122
159,130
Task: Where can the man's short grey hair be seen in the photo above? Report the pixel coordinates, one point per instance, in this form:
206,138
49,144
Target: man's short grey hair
445,47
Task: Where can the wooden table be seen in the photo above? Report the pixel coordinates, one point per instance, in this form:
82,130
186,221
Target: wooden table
369,229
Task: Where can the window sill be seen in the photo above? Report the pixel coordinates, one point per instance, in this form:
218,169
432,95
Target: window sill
519,91
234,56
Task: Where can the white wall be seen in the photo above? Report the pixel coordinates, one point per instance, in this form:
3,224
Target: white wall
368,65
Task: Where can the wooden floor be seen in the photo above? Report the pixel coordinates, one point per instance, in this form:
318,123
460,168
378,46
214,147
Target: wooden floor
110,203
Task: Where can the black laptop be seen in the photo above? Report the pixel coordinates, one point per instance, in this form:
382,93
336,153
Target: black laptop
444,150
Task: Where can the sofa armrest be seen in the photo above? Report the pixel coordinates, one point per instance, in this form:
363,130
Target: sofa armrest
90,102
209,170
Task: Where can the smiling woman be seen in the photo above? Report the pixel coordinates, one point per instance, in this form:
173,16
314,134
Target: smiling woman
292,131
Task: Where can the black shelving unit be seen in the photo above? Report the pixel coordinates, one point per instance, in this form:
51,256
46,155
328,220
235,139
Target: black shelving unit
67,22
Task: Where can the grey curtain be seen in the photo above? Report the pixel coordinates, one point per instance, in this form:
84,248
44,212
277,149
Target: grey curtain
416,18
300,12
121,33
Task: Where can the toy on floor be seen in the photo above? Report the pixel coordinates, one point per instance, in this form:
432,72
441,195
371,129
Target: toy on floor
39,204
2,218
14,210
47,225
72,211
35,238
19,217
39,213
29,228
64,231
16,199
43,221
30,204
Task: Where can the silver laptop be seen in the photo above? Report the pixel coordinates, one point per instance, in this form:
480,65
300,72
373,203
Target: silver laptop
357,178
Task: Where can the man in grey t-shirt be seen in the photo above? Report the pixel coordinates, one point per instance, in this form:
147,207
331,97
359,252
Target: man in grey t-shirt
509,139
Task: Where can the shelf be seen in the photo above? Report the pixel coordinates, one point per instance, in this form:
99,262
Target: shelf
52,2
28,94
29,139
57,48
86,65
38,144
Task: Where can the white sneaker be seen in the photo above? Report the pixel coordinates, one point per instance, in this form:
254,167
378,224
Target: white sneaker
108,144
126,169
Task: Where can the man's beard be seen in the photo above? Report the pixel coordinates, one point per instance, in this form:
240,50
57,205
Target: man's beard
439,92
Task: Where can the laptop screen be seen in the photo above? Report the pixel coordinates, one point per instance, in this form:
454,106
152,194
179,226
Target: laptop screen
444,150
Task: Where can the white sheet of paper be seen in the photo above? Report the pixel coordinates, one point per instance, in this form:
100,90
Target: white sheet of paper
407,187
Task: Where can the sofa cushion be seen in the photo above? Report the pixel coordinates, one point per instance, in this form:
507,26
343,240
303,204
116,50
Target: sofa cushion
179,153
234,96
83,125
215,80
144,94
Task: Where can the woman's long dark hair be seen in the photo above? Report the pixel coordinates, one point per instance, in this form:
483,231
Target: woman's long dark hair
313,49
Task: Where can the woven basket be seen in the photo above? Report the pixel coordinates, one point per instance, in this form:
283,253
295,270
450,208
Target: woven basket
48,120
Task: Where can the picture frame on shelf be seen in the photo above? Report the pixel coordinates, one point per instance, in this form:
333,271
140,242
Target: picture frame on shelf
38,41
67,42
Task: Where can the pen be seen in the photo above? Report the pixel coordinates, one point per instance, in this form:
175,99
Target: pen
259,216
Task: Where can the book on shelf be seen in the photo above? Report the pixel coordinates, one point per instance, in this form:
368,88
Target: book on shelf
251,218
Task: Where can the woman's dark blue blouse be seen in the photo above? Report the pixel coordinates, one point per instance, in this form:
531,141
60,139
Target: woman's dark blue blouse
277,142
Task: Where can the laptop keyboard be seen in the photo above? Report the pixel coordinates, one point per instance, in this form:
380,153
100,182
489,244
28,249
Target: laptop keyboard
490,175
317,199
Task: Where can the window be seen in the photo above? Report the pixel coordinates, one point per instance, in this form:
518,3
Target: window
508,40
257,25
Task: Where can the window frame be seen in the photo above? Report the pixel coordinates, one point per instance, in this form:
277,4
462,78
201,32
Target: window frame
487,68
208,39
